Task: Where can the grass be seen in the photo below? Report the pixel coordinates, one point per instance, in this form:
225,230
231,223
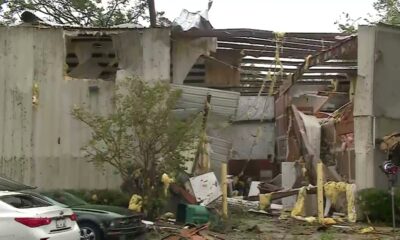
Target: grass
327,236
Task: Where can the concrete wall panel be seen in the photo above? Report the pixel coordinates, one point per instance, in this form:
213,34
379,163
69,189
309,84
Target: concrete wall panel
144,53
387,71
377,107
16,78
41,145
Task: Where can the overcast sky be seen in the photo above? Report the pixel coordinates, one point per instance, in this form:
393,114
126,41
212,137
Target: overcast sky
276,15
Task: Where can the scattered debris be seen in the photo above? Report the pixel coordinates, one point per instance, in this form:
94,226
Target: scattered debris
196,233
267,188
206,188
367,230
135,204
192,214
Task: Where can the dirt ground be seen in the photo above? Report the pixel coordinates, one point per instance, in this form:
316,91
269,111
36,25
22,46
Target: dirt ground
261,227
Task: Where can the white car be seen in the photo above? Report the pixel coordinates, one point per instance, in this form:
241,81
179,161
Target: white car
26,217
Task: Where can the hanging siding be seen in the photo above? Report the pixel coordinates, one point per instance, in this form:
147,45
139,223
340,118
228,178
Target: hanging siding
224,103
255,108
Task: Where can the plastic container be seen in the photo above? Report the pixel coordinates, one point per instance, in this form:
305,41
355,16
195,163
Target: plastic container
192,214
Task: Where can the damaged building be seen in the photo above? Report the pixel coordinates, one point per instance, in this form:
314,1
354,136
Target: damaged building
49,69
278,101
330,90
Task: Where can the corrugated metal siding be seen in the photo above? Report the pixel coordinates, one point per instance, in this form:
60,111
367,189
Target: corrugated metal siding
255,108
223,103
220,149
220,153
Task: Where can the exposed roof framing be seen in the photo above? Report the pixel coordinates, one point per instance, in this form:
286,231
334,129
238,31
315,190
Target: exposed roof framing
245,32
314,57
344,48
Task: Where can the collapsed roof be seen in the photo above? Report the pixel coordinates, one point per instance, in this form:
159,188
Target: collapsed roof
272,59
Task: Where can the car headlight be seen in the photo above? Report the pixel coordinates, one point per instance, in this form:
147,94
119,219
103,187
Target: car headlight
112,224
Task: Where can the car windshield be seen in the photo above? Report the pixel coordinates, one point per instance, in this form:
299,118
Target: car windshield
24,201
65,198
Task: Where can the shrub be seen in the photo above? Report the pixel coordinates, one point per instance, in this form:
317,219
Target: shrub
377,205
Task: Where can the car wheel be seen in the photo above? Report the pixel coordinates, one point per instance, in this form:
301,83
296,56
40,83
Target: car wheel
90,231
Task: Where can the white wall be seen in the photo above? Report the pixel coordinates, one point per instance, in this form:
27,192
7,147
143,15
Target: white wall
377,105
41,145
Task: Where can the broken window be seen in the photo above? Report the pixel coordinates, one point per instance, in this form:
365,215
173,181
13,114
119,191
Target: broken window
91,57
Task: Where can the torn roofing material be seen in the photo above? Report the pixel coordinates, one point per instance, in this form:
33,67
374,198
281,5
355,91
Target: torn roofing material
224,103
192,20
280,57
255,108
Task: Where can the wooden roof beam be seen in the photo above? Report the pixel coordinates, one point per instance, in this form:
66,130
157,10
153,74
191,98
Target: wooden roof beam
271,42
262,47
345,47
245,32
321,70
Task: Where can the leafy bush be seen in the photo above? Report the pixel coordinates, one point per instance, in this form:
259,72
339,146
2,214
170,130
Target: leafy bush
142,139
103,197
377,205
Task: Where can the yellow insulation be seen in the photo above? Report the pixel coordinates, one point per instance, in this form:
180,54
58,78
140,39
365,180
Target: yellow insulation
35,94
328,221
333,189
135,204
351,209
367,230
307,62
265,201
298,209
166,180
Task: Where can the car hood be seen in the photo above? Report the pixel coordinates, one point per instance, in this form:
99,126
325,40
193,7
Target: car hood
105,209
11,185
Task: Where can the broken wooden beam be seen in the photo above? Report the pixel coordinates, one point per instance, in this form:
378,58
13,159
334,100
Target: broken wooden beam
343,48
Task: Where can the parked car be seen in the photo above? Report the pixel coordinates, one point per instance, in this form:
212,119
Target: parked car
23,216
99,222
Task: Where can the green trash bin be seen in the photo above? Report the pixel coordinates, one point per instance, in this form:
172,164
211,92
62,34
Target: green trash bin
192,214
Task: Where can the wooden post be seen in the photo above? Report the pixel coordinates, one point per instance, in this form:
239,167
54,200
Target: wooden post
320,190
203,133
224,186
352,90
349,163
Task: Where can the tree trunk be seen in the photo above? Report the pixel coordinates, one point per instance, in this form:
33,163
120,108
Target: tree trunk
153,15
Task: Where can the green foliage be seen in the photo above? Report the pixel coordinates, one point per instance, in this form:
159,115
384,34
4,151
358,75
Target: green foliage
347,24
81,12
387,11
103,197
142,138
327,236
376,204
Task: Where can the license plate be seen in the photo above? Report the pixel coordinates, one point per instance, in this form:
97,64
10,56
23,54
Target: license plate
61,223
